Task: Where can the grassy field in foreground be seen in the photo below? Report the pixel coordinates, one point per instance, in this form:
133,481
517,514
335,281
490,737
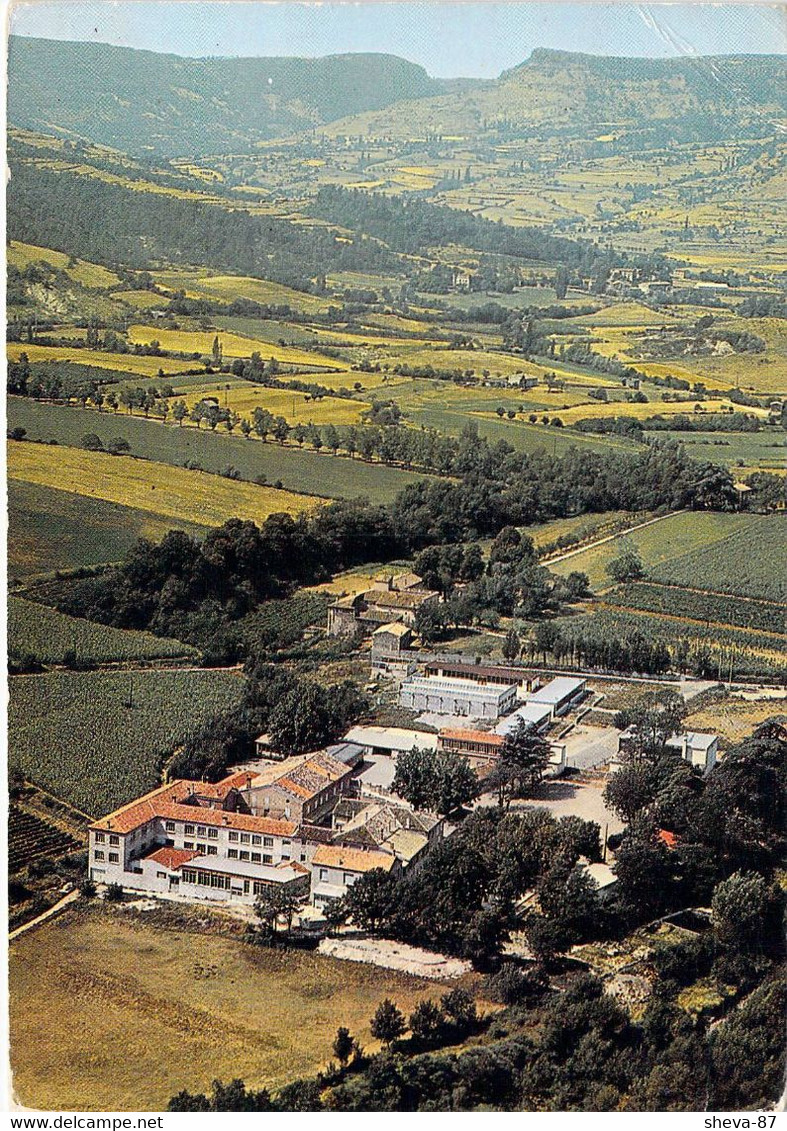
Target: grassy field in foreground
50,529
313,473
669,538
48,635
97,739
123,362
136,1012
168,491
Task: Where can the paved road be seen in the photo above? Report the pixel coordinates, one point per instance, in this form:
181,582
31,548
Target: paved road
53,910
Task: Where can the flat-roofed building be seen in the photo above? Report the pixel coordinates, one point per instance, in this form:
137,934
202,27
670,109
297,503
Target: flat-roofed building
457,697
501,674
698,748
560,694
536,716
390,740
480,747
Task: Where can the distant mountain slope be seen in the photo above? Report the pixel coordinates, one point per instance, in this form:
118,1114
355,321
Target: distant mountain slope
561,89
140,101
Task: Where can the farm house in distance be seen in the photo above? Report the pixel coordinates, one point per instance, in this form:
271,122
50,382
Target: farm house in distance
391,599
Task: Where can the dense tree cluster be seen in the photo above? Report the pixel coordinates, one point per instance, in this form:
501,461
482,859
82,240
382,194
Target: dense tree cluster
194,591
411,225
297,712
463,903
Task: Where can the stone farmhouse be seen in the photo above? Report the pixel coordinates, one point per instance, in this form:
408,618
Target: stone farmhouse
391,599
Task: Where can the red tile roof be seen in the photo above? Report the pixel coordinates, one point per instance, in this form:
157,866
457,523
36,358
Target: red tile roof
170,802
352,859
473,736
668,838
172,858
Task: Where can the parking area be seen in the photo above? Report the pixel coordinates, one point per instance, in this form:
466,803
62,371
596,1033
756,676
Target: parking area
588,747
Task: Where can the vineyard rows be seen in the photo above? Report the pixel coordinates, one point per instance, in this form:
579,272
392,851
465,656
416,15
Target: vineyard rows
98,739
752,654
750,562
30,838
712,608
49,636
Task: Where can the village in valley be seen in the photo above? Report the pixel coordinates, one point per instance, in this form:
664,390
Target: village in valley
396,582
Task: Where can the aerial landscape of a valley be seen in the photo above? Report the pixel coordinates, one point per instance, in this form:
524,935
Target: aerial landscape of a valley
396,573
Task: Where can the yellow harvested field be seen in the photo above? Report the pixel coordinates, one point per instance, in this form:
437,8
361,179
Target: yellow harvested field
160,1002
232,345
624,314
229,287
173,492
735,719
348,379
296,407
598,409
477,360
86,274
118,362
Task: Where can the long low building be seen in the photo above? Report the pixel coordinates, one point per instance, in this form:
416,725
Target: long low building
480,747
446,696
501,674
538,716
560,694
390,740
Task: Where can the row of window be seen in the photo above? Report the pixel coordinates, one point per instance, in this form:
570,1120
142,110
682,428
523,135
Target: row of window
254,857
101,838
189,830
113,856
254,838
211,880
205,849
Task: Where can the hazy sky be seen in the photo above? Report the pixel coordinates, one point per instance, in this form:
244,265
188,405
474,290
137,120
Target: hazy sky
476,39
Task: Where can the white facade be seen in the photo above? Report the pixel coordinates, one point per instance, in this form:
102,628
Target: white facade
559,694
696,747
536,715
446,696
390,740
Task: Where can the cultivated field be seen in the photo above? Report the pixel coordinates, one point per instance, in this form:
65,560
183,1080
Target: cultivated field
304,471
49,635
166,491
97,739
748,560
661,542
52,530
734,719
296,407
90,275
171,1006
229,287
740,612
232,345
122,362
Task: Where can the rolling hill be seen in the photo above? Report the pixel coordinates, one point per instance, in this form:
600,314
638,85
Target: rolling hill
564,90
145,102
